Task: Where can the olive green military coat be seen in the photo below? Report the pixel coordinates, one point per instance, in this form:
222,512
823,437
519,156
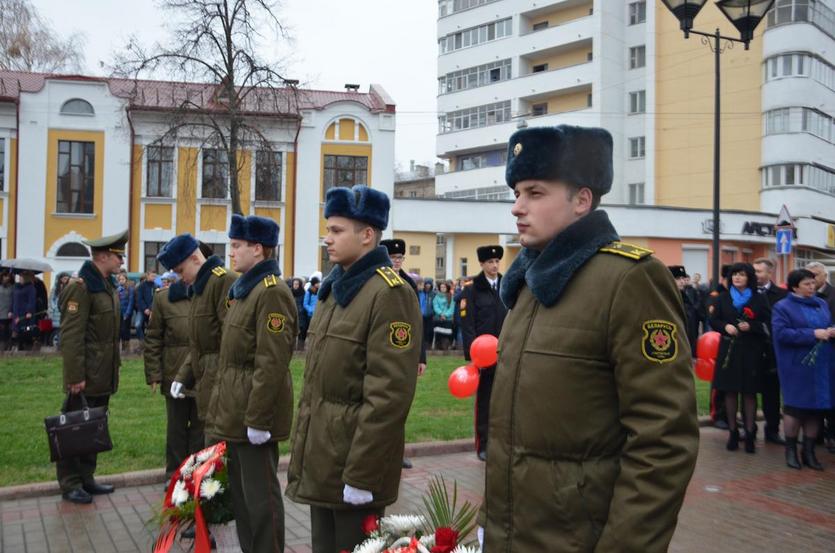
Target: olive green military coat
166,338
359,382
593,430
207,310
90,319
252,385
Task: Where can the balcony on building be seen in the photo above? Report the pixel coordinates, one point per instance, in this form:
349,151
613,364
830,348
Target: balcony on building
554,107
554,24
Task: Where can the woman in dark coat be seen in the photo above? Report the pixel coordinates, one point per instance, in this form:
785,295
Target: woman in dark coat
297,289
804,339
740,315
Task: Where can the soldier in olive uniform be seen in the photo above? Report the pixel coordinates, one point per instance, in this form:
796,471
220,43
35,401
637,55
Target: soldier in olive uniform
593,430
482,312
396,249
359,378
209,284
90,321
251,402
166,348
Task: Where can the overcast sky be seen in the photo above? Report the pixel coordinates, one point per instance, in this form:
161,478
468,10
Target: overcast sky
390,42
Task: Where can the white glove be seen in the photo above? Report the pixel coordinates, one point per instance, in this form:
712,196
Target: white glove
355,496
177,390
257,437
480,534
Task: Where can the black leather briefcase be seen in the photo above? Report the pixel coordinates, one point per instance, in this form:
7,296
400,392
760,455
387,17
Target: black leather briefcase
76,433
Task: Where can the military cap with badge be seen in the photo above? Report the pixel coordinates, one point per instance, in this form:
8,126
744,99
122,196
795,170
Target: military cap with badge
115,243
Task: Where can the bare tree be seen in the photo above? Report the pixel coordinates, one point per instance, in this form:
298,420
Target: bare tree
226,92
28,43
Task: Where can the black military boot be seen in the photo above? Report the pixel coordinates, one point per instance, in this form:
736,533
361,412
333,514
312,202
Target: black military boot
733,440
791,453
808,454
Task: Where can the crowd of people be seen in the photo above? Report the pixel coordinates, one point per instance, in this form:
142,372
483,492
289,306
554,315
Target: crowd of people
776,341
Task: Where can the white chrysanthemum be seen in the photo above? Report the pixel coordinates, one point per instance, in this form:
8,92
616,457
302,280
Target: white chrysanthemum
404,542
209,488
179,494
401,524
464,549
188,467
371,545
203,456
428,541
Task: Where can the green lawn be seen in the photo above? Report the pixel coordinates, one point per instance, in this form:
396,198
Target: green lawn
30,389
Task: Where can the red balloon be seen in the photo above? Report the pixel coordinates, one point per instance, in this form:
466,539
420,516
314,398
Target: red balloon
704,369
463,382
707,347
483,351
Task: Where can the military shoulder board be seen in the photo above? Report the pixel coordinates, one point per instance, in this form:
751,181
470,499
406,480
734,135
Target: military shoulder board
219,271
629,251
391,278
270,281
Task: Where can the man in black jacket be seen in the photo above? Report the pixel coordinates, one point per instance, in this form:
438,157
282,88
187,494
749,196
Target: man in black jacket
772,293
397,253
688,298
827,293
482,312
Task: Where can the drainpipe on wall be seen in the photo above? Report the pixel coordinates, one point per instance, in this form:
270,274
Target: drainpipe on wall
13,253
131,181
292,237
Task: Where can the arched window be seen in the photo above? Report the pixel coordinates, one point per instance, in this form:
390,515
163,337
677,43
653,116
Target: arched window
77,106
72,249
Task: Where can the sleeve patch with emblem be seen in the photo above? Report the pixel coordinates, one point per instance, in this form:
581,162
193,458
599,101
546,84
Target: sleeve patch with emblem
72,307
659,341
275,322
400,335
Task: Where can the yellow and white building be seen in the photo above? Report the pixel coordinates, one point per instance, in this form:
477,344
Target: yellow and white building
625,66
77,162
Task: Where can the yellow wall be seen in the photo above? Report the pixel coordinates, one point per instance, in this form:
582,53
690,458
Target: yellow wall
568,102
363,134
562,16
186,190
290,203
273,213
465,245
425,262
11,236
56,227
213,217
1,211
245,179
158,216
136,181
684,115
565,59
346,129
510,253
330,134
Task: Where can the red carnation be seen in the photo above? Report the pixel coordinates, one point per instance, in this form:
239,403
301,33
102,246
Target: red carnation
748,312
446,539
370,524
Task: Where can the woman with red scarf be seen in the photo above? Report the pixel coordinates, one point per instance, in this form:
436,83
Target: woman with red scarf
740,315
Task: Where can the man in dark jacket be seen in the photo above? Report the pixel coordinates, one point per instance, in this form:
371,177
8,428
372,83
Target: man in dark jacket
764,269
144,302
90,350
827,293
717,397
482,312
397,253
690,311
593,428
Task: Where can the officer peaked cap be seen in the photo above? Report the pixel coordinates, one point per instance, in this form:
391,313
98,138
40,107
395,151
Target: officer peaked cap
489,252
394,246
254,229
678,271
177,250
581,156
360,203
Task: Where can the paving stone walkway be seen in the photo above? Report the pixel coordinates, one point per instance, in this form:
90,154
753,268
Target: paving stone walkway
736,502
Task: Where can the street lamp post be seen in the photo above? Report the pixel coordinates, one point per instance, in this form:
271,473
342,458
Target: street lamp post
745,16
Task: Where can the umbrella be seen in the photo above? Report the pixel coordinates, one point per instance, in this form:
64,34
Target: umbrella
27,265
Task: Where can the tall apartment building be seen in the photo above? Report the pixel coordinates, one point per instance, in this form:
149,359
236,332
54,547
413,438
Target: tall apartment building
625,66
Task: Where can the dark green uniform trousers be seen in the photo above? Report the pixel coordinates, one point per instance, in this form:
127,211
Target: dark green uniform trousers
77,471
184,432
256,496
334,530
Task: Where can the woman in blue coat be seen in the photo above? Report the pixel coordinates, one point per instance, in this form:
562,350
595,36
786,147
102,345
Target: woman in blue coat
803,344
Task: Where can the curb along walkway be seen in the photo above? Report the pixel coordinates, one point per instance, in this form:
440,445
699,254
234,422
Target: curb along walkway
736,502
